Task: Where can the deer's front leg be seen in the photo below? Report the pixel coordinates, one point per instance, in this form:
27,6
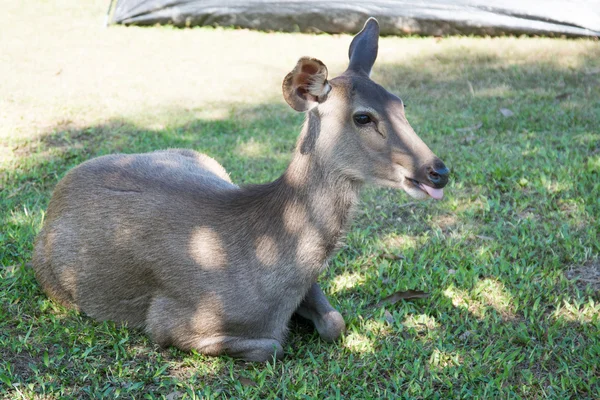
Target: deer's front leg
327,320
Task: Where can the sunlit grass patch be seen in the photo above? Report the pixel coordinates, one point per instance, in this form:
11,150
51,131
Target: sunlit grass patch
582,312
440,360
493,294
358,343
421,321
346,281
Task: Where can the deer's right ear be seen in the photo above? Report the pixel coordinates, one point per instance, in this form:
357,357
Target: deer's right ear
364,46
306,86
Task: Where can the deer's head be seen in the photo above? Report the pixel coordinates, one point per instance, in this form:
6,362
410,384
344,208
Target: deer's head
357,128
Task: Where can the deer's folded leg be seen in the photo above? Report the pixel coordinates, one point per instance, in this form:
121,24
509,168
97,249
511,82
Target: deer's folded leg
327,320
171,322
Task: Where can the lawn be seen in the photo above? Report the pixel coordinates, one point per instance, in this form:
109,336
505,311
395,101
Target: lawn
510,257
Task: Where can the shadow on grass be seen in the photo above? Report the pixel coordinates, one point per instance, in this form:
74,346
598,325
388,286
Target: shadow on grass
520,210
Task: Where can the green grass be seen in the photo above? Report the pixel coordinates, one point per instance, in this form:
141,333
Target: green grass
511,256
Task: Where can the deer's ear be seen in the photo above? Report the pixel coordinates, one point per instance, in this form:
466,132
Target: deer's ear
363,49
306,86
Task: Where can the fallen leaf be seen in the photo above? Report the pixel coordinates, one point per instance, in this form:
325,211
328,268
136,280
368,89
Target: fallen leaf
247,382
506,112
452,271
470,128
407,295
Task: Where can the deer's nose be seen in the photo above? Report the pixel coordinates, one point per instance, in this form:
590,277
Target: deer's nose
437,174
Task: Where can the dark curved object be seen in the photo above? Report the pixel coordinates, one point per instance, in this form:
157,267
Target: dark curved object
572,18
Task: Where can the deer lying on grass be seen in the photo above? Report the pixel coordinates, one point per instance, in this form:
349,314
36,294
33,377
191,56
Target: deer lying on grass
167,242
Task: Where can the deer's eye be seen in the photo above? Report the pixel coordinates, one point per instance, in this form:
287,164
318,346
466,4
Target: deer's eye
362,119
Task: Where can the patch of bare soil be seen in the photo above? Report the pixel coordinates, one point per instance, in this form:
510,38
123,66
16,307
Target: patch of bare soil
586,275
20,362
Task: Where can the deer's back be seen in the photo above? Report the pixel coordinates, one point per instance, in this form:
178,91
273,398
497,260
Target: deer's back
117,225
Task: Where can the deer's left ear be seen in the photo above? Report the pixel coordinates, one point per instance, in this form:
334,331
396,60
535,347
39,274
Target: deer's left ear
306,86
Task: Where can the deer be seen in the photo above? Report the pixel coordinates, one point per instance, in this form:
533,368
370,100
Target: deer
164,241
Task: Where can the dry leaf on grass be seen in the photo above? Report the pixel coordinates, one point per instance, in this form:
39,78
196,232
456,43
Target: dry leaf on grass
406,295
506,112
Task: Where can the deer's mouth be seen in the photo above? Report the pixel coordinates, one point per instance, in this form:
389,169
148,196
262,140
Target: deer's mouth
432,192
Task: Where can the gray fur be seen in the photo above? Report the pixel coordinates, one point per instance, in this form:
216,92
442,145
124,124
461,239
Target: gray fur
165,241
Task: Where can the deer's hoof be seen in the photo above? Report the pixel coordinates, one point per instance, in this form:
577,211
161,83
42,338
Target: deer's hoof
331,326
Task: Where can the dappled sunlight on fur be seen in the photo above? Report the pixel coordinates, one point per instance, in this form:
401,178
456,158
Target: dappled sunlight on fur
514,235
267,250
165,240
207,248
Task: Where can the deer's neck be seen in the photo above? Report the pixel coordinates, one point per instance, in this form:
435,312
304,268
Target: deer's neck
307,209
328,199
